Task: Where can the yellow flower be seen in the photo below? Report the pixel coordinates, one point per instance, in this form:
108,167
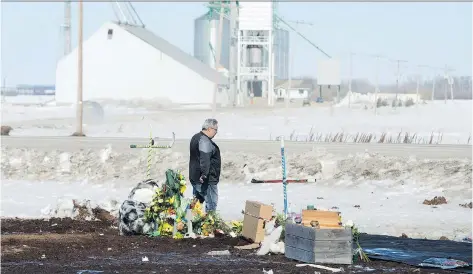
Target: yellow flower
167,227
198,209
236,223
183,189
171,200
179,236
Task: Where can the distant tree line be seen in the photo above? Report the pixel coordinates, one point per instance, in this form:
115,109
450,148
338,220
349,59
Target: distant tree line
462,88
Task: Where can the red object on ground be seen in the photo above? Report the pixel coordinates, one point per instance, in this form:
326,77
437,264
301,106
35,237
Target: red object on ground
292,181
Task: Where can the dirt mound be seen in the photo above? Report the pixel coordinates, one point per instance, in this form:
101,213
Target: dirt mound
69,246
55,225
107,164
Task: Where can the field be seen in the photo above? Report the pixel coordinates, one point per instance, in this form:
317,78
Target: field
381,187
443,123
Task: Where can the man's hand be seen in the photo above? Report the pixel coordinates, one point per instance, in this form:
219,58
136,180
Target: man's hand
202,178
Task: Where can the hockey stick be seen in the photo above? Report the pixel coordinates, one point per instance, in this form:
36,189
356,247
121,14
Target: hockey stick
293,181
284,181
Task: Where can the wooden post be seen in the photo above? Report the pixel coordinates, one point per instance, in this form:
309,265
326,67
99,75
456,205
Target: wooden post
79,73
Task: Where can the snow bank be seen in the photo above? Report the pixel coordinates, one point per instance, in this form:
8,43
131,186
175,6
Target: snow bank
98,166
384,206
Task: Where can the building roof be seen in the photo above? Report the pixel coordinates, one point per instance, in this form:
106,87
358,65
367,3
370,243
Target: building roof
175,53
295,84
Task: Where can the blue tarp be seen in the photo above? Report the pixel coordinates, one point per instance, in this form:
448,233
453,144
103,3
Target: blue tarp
418,252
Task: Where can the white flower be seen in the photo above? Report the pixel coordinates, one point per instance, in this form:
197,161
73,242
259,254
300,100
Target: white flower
349,223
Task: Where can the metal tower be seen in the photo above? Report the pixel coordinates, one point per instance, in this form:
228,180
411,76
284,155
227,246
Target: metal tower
66,28
255,57
229,11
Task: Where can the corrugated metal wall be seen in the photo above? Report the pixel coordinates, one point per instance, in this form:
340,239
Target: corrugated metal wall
205,31
281,54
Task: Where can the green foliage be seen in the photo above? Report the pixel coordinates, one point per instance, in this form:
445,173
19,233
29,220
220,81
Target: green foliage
168,211
165,208
359,253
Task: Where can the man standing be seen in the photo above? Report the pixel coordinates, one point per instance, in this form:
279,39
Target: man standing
205,165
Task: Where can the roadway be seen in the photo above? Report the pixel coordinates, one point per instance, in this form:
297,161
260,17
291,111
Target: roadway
250,146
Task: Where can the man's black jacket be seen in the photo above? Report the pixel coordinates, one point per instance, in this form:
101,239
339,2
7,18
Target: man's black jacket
204,159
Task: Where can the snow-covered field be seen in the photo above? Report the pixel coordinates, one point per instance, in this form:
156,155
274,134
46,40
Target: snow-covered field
384,208
453,121
389,190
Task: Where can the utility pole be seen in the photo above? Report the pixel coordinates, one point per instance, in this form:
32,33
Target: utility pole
217,58
398,76
434,79
450,82
4,88
289,84
376,88
67,27
433,88
233,51
417,91
446,86
79,72
350,80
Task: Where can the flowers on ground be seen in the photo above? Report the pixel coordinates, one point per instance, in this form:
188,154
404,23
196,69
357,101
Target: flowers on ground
167,212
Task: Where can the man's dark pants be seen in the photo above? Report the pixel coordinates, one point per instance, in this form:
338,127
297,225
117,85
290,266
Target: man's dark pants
207,192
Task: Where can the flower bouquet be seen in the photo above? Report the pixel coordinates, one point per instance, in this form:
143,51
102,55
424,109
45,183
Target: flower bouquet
165,208
168,212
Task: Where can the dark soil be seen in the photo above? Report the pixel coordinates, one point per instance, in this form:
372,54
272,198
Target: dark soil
69,246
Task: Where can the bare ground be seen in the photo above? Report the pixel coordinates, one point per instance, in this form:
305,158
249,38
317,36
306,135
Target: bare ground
70,246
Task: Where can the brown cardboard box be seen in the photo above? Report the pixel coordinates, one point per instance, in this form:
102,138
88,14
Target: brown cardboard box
253,222
326,219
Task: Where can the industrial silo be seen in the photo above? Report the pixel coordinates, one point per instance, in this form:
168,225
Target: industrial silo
205,39
281,54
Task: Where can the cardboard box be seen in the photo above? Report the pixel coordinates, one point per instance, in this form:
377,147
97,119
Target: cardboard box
325,219
255,215
311,245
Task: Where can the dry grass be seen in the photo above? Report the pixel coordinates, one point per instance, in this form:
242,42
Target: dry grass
78,134
434,138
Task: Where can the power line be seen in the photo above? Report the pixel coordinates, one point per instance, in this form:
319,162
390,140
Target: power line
303,37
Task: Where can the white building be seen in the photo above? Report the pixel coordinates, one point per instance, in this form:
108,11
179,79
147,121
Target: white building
124,62
299,89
